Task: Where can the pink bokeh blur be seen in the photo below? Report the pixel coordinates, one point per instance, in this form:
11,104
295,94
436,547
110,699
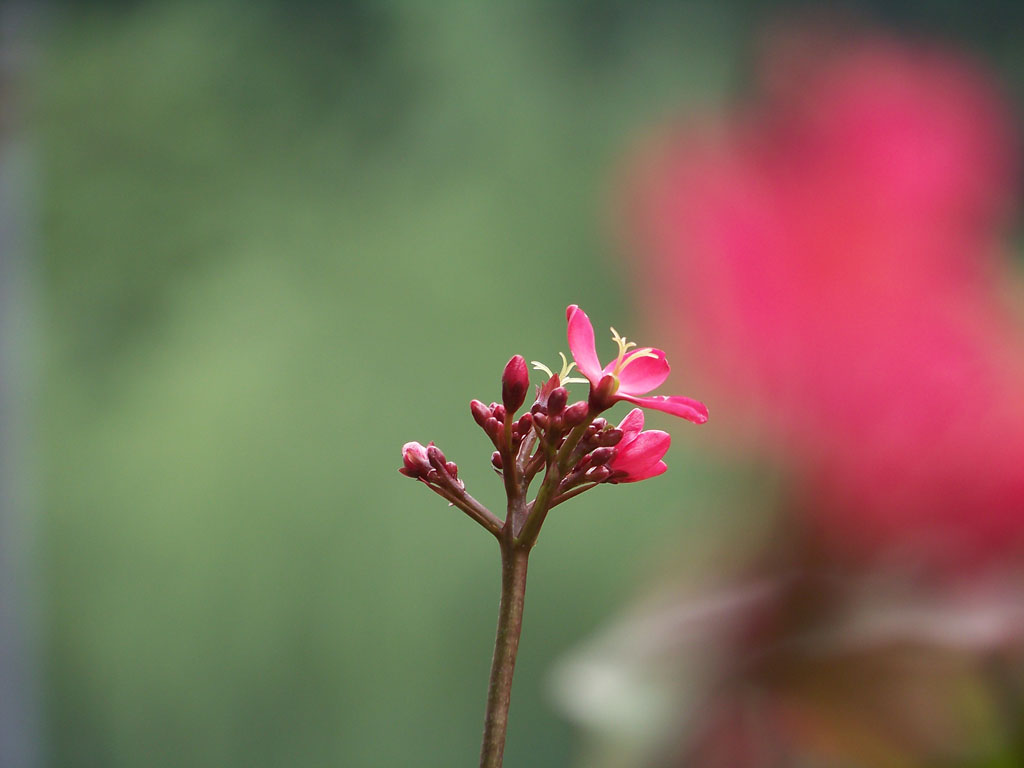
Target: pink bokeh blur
833,259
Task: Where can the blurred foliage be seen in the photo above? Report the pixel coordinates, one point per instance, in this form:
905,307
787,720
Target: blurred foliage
275,245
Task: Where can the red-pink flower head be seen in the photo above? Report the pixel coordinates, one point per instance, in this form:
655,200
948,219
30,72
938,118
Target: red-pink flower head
638,454
633,373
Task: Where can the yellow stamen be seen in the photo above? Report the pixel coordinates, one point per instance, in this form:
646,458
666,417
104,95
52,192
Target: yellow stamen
625,359
563,376
541,367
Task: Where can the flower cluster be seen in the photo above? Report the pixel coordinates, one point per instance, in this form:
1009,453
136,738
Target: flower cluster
566,444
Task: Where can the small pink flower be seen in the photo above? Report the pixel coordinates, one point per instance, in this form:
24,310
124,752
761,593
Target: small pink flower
638,454
633,373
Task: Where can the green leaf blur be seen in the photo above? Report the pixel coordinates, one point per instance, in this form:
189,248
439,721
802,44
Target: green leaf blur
276,243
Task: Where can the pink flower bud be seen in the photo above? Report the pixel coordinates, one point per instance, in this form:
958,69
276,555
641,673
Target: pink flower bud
598,474
557,400
493,429
602,395
499,412
575,414
541,420
436,458
481,413
496,460
525,423
415,461
602,456
515,381
610,437
453,469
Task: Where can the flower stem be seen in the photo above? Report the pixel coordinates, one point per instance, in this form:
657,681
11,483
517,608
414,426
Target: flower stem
506,644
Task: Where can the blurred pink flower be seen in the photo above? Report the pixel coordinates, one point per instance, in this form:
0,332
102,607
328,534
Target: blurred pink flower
638,455
831,258
632,373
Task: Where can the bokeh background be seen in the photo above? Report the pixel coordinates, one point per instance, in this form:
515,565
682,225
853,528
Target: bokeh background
259,247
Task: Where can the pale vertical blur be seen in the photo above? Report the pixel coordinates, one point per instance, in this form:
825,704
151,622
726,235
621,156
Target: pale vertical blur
19,589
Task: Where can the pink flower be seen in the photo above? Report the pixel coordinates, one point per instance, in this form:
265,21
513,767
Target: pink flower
638,454
633,373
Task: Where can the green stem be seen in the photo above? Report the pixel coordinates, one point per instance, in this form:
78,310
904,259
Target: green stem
527,535
506,644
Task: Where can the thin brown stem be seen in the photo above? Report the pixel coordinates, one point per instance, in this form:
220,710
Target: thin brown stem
566,495
470,506
506,644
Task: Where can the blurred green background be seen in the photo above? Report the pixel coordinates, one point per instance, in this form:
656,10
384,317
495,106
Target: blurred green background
275,242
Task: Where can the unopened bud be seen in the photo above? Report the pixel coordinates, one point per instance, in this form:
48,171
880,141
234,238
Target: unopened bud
481,413
499,412
436,458
575,414
601,395
602,456
557,400
525,424
515,381
414,460
453,469
610,437
598,474
545,389
496,460
599,423
541,420
493,428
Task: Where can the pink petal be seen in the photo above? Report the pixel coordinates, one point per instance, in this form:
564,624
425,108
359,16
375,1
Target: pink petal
631,426
581,343
642,453
691,410
653,471
642,374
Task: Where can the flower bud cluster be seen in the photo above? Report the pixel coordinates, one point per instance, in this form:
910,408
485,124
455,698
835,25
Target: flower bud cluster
566,443
428,463
491,419
537,437
596,451
551,410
